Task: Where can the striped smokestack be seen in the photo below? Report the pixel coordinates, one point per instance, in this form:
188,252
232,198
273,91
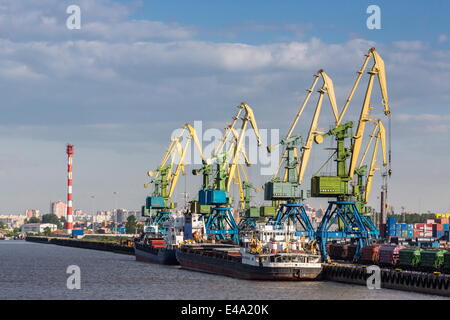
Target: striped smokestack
69,217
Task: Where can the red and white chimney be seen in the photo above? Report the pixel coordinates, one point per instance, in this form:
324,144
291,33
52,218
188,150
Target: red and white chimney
69,218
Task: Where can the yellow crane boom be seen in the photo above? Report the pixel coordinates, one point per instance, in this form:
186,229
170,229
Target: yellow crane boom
180,167
379,135
175,149
294,124
327,88
249,117
378,70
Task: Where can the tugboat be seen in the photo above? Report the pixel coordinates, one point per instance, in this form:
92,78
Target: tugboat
263,254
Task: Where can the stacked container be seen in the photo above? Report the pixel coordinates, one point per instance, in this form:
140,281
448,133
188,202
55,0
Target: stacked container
423,230
390,226
432,258
419,230
329,244
388,255
410,231
336,251
398,230
409,257
447,260
349,252
438,230
370,254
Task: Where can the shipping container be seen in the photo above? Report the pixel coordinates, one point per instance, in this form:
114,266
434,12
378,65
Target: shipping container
369,254
438,234
391,221
447,260
335,251
77,232
388,254
409,257
432,258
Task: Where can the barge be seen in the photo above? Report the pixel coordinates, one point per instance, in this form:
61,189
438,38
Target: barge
155,253
156,247
233,263
255,258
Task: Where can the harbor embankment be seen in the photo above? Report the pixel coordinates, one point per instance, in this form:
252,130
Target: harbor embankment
85,244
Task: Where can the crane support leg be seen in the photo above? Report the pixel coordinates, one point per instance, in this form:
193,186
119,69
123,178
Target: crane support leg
158,219
294,213
351,225
247,224
221,224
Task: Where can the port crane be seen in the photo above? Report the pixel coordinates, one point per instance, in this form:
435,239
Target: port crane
249,214
345,211
165,178
287,189
219,220
362,189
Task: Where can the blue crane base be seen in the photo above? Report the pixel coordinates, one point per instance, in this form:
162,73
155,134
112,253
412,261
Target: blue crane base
159,219
296,214
247,224
222,225
352,225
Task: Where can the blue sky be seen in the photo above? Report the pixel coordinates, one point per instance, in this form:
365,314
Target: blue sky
331,21
137,70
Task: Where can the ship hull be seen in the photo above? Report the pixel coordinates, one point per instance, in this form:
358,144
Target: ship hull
234,268
155,255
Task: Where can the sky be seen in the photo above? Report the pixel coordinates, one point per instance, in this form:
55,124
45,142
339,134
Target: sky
137,70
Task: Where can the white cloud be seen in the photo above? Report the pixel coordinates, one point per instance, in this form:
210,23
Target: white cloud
107,20
430,123
410,45
123,84
442,38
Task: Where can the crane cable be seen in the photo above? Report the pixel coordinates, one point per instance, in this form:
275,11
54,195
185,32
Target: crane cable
389,169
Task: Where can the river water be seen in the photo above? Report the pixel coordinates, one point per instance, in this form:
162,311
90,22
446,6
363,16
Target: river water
38,271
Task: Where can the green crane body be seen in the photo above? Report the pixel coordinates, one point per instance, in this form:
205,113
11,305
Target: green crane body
221,174
338,186
161,184
291,161
289,189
